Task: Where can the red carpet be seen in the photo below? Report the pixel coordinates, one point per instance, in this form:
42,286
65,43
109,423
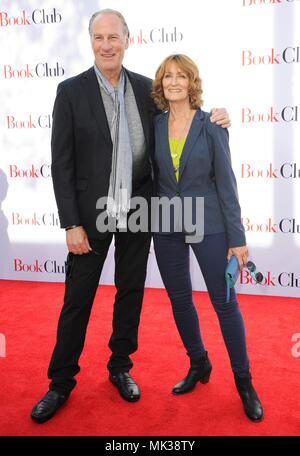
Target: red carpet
28,317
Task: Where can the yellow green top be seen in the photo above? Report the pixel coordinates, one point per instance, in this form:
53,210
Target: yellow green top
176,148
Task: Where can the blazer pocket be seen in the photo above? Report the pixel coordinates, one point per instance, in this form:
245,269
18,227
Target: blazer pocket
81,184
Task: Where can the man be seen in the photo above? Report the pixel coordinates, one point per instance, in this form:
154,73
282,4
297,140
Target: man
102,140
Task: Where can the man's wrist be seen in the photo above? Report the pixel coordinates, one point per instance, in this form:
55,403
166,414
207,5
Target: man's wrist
71,227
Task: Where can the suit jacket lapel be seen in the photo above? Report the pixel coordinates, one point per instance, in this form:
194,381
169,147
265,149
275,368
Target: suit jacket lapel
194,132
94,96
93,93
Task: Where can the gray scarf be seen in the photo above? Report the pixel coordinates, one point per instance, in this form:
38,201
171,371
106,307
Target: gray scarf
120,181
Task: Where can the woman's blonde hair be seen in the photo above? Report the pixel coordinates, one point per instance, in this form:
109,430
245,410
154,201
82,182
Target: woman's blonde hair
187,66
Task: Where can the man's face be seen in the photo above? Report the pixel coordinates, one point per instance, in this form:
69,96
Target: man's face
108,42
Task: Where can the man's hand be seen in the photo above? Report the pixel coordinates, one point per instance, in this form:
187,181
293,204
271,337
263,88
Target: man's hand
77,241
241,254
220,117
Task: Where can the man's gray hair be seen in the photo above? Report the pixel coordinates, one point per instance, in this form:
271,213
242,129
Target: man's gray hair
109,11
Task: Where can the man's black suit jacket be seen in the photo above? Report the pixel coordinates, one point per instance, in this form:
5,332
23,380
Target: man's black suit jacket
82,148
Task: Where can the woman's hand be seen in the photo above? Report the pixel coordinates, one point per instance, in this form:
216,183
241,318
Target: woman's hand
241,254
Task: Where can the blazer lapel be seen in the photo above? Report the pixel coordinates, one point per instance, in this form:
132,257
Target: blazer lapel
165,147
194,132
93,93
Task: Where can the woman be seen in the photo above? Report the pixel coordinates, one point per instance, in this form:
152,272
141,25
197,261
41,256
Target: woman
192,158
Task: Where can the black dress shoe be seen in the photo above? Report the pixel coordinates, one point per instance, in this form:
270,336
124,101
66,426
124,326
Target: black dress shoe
199,371
48,406
252,405
127,387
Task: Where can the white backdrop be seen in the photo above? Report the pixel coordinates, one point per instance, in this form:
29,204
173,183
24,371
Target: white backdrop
248,53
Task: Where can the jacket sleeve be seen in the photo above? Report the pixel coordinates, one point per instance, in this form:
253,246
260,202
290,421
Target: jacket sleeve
63,160
226,185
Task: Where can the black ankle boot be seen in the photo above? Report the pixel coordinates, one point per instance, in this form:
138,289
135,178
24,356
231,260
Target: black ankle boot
199,372
251,403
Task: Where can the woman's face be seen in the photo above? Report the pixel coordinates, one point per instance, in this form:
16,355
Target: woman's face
175,83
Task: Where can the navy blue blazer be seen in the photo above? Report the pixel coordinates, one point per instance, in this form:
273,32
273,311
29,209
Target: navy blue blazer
205,170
